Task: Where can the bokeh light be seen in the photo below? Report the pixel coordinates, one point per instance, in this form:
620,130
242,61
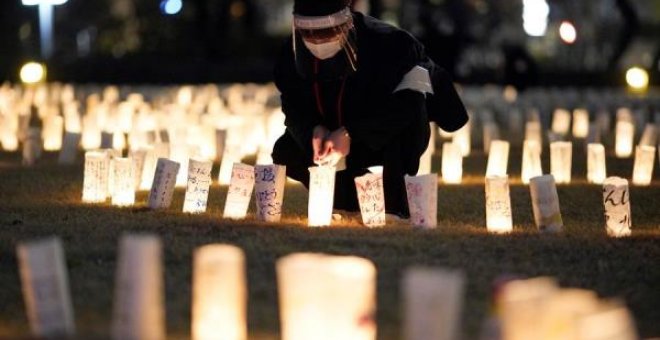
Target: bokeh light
32,72
567,32
171,7
637,78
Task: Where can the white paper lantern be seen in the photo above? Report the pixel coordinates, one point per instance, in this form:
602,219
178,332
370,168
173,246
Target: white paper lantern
269,191
52,133
521,304
596,165
321,194
239,192
611,320
45,283
498,158
95,182
616,200
560,313
580,123
219,302
123,192
561,156
545,203
371,196
650,135
199,184
422,192
498,205
561,122
138,310
643,169
324,297
462,138
433,303
625,134
533,132
531,161
452,164
162,189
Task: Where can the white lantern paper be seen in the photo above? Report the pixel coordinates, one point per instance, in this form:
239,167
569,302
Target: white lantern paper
199,182
229,157
611,320
321,195
422,192
371,196
181,154
69,148
452,164
137,159
650,135
159,150
531,161
138,311
462,138
625,134
533,132
561,156
643,169
521,304
52,133
498,158
596,166
219,302
545,203
95,182
580,123
45,285
498,205
162,188
324,297
433,304
123,192
239,192
561,122
269,191
616,200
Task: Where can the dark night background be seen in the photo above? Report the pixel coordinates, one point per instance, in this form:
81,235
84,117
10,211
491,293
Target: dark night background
479,41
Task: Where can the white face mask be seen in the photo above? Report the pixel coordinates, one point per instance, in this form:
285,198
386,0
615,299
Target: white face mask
325,50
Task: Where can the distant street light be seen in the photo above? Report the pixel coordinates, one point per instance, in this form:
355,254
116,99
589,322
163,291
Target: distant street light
45,23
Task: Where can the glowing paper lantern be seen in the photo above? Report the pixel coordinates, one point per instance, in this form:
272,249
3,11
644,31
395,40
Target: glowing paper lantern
181,154
422,192
199,182
561,312
32,146
531,161
452,164
580,123
269,191
326,297
371,196
561,122
545,203
596,166
137,159
561,156
45,285
521,304
52,134
649,136
321,194
118,140
533,133
159,150
162,188
616,199
123,192
219,302
433,304
610,321
498,158
625,133
462,138
229,157
644,161
138,311
69,148
498,205
239,192
95,182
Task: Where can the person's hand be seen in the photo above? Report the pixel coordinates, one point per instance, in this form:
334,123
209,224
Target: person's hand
319,135
338,141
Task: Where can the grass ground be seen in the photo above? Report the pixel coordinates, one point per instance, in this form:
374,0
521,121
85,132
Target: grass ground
45,200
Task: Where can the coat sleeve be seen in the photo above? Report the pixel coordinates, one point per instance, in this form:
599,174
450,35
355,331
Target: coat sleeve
300,117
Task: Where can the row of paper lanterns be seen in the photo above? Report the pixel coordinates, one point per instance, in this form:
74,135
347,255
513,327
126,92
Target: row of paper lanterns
108,176
320,297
